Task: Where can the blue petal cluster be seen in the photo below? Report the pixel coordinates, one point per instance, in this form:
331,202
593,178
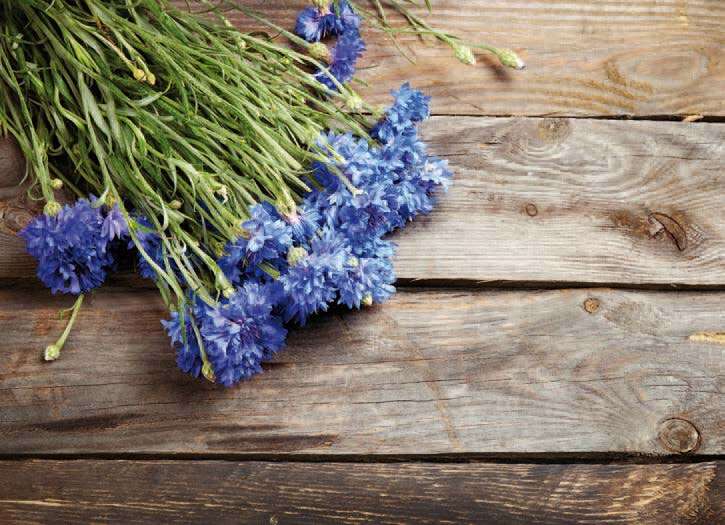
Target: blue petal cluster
73,247
314,24
348,48
331,249
150,241
266,239
242,332
184,338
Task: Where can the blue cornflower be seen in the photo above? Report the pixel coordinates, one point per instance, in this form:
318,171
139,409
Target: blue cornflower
242,332
314,24
70,248
343,57
267,238
366,281
184,338
304,222
114,224
309,285
150,241
409,107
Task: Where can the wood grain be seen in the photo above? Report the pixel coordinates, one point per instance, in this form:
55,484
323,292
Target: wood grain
584,57
279,493
432,372
544,201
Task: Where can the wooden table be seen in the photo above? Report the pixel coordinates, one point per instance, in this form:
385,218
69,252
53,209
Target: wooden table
555,352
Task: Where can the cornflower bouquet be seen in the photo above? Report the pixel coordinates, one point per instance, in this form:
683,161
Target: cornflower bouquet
244,176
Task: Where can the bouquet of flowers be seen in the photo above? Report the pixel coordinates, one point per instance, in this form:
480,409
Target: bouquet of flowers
244,176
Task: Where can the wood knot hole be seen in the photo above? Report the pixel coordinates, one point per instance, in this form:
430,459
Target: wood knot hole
679,435
661,222
531,209
591,305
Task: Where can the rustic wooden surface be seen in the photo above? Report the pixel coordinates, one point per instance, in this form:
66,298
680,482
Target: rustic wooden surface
646,196
540,364
437,372
258,492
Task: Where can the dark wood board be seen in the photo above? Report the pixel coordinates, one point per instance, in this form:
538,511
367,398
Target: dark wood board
281,493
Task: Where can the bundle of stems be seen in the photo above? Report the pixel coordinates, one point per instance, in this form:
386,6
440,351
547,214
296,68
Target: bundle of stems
179,118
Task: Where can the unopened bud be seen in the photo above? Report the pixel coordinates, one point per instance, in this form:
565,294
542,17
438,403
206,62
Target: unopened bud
175,204
295,255
321,5
151,79
464,54
320,51
52,352
367,300
354,102
139,74
208,372
52,208
56,184
510,59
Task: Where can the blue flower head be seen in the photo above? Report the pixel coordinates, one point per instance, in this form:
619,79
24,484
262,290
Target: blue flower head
183,336
367,281
242,332
409,108
267,239
309,285
70,247
348,48
150,241
314,24
114,225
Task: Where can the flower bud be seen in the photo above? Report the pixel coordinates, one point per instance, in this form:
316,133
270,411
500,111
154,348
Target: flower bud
464,54
151,79
139,74
321,5
367,300
56,184
175,204
52,352
320,51
208,372
295,255
354,102
510,59
52,208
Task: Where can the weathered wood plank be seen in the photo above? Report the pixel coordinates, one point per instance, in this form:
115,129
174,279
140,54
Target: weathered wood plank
550,200
256,492
584,57
568,371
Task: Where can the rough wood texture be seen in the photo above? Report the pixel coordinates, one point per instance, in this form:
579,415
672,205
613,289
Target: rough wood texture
279,493
430,372
584,57
550,200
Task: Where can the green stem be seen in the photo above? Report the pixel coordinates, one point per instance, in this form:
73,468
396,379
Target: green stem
52,352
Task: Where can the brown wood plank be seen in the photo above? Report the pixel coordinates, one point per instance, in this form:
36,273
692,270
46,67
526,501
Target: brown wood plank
566,371
547,200
257,492
584,57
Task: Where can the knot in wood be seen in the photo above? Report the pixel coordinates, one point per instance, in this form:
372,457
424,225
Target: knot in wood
591,305
531,209
679,435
